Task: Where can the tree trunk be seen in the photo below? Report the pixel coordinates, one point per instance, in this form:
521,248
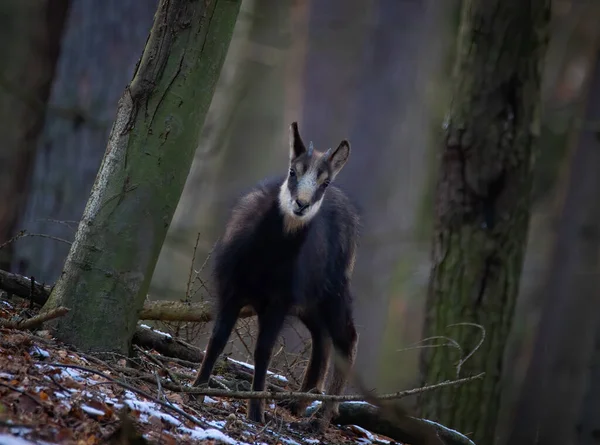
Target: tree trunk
150,149
30,37
483,205
557,377
100,47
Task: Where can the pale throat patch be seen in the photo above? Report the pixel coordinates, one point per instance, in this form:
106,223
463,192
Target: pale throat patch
291,221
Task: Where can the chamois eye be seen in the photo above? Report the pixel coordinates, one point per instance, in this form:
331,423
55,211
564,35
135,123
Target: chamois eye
292,172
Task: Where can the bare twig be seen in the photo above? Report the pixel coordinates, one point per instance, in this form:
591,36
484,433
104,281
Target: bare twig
21,391
34,321
189,282
132,388
157,363
25,233
477,346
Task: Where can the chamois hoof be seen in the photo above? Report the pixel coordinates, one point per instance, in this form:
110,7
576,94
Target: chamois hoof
255,412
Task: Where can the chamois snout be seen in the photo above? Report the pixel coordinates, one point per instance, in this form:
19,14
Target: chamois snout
300,207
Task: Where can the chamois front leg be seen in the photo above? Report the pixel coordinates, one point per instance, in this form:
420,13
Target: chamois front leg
226,318
269,327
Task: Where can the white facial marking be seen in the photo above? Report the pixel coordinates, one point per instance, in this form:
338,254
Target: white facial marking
293,222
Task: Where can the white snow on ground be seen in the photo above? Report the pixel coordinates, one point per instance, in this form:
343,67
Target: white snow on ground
448,429
249,366
39,351
149,409
7,439
155,330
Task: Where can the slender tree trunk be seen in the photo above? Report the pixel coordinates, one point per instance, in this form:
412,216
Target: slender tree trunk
100,48
557,377
149,153
482,206
30,37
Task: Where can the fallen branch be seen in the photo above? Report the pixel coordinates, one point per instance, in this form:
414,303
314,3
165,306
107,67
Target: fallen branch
34,321
370,418
22,287
153,310
183,311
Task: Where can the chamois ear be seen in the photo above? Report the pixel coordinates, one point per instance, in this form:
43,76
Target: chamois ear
338,157
297,147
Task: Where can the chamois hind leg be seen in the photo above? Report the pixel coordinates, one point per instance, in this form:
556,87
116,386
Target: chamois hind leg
226,318
269,326
315,372
340,326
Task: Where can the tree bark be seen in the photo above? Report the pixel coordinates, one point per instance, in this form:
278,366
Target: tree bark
29,48
482,205
150,149
559,370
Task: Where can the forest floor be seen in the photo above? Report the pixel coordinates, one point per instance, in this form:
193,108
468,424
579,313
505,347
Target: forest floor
52,394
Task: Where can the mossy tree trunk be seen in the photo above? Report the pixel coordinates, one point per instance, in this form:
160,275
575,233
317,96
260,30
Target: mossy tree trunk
482,206
148,156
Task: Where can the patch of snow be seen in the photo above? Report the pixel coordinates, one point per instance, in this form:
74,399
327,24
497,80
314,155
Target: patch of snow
208,399
217,423
7,439
6,303
151,409
156,330
202,434
448,429
249,366
315,404
36,350
92,411
309,440
365,432
288,440
6,375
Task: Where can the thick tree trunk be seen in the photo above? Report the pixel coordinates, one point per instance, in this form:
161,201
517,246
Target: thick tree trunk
482,205
100,48
152,143
559,370
30,36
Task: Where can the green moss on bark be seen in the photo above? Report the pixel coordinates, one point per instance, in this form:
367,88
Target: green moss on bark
149,153
482,203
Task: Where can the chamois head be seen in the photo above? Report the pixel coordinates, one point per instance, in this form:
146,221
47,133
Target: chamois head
310,173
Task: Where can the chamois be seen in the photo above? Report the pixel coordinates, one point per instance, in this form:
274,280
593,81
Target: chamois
289,247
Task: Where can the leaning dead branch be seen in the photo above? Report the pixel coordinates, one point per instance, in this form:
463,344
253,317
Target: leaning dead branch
34,321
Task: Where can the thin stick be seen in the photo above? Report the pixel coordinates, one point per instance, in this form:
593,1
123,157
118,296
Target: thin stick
132,388
322,397
20,391
189,283
24,233
34,321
